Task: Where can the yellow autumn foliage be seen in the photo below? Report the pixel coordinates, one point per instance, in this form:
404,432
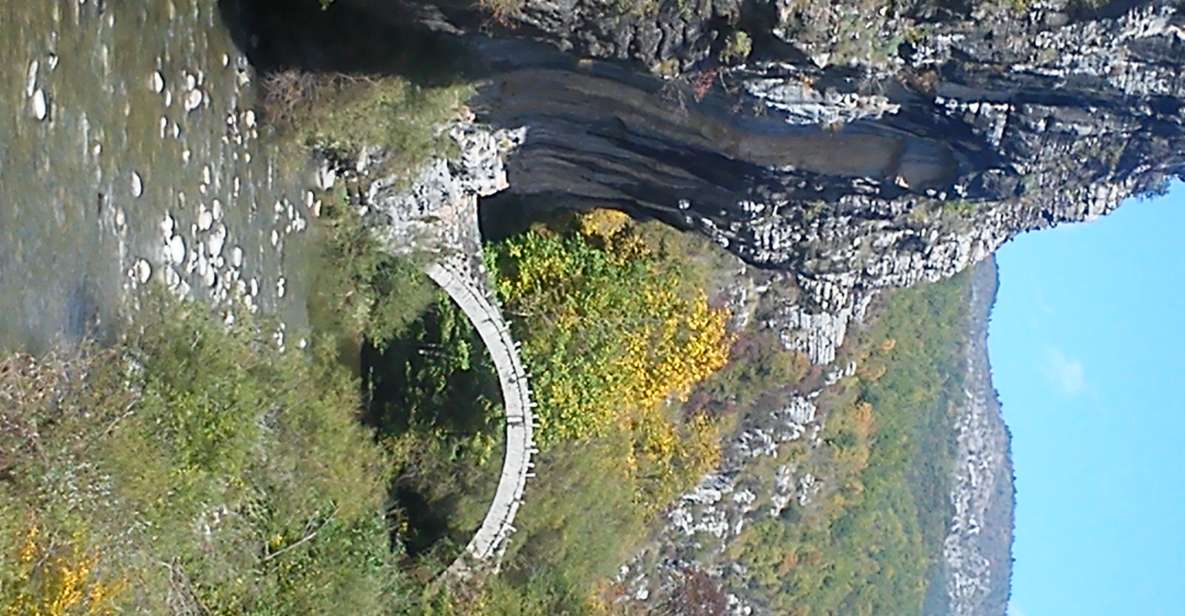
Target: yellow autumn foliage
58,580
611,329
604,224
614,333
872,371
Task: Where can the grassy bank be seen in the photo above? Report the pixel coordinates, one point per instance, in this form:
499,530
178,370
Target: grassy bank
192,467
197,467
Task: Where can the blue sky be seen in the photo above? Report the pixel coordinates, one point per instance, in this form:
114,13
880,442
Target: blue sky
1086,341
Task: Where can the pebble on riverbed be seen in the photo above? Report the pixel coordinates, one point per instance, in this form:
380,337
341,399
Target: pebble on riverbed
157,82
193,99
31,79
142,271
205,218
177,249
40,105
216,241
137,185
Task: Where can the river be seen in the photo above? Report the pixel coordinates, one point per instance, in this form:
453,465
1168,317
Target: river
131,151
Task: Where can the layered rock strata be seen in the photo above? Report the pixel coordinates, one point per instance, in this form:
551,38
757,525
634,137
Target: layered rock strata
856,158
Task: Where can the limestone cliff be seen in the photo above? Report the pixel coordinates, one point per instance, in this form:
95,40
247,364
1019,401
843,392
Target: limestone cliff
856,157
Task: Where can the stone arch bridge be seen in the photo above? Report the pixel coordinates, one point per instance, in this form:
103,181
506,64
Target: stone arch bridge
437,215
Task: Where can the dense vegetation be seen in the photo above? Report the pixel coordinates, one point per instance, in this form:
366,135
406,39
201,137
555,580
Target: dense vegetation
869,542
616,329
192,468
196,467
363,291
435,405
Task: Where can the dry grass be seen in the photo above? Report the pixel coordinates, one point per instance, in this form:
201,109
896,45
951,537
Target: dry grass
345,113
290,95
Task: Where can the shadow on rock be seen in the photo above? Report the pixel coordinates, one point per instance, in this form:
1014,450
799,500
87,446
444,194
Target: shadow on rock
341,38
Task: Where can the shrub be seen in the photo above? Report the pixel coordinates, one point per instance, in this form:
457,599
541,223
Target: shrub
613,327
364,289
737,48
502,10
345,113
191,467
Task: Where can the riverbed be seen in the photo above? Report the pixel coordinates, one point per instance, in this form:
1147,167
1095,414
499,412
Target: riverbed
133,155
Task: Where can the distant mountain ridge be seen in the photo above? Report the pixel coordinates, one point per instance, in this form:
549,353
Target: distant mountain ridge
978,547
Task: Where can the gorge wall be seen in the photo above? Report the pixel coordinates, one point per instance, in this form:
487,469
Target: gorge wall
857,157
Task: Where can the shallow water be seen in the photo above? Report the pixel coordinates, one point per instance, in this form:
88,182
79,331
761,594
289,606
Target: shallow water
75,239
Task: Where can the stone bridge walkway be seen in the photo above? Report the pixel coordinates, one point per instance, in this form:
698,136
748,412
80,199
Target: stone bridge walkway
468,288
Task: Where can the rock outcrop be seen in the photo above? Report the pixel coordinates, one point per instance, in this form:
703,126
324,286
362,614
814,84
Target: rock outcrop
858,156
434,210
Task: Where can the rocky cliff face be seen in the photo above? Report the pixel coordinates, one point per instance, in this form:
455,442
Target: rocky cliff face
858,146
433,210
